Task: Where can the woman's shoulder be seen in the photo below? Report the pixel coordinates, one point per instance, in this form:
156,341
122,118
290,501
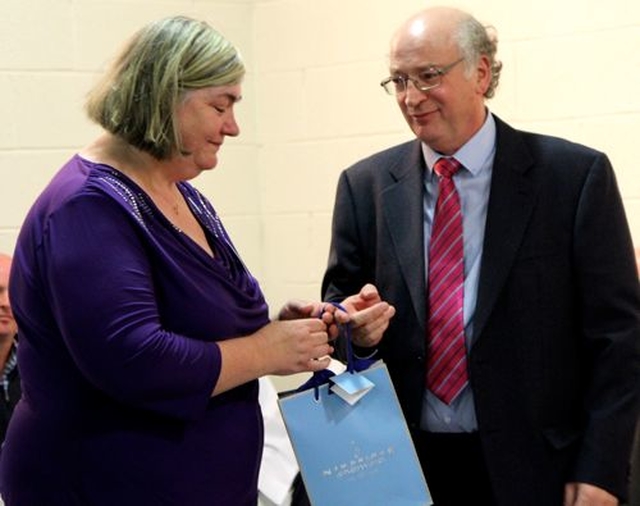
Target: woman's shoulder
84,184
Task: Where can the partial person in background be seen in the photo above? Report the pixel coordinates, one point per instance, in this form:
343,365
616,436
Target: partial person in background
142,333
8,350
507,256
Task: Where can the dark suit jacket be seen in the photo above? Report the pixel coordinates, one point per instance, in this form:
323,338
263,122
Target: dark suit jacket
555,364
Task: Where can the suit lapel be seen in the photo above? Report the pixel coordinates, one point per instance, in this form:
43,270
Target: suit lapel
511,202
402,202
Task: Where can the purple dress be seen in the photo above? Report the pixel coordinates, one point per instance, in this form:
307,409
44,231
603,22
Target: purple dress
119,313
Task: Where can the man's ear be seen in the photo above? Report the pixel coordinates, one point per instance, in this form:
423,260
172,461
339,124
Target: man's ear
483,75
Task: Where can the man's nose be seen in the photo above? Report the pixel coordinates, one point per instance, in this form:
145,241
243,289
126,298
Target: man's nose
414,95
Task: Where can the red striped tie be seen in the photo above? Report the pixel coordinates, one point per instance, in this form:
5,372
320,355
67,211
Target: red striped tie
447,360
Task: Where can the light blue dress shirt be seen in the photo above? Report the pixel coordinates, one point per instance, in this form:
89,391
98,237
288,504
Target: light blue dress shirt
472,182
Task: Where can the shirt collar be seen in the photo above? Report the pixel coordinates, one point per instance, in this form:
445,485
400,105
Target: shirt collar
474,154
12,360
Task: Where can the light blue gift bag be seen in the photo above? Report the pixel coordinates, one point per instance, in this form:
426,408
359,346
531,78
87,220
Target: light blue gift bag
352,442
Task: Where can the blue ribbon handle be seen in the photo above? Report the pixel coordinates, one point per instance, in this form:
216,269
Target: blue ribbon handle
354,364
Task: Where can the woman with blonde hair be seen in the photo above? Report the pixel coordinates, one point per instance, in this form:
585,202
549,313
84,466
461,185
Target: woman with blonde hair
142,333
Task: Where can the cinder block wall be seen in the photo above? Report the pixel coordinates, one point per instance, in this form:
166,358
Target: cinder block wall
312,102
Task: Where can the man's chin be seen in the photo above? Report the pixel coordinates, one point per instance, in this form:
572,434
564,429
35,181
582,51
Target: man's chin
7,330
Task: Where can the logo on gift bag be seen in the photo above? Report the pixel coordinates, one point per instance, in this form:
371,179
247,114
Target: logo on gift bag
359,464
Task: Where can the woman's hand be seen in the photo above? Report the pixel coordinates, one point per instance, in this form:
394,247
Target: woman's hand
280,348
328,313
295,345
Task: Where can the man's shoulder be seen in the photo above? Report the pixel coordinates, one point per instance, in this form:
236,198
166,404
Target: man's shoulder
540,143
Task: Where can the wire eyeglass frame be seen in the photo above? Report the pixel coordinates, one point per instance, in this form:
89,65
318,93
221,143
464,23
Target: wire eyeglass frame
426,80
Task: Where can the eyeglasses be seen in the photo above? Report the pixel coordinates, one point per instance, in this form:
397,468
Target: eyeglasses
424,81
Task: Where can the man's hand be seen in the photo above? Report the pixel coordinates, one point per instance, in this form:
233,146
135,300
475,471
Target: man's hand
584,494
369,316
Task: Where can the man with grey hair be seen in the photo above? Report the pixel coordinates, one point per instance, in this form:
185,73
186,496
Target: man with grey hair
8,350
508,258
